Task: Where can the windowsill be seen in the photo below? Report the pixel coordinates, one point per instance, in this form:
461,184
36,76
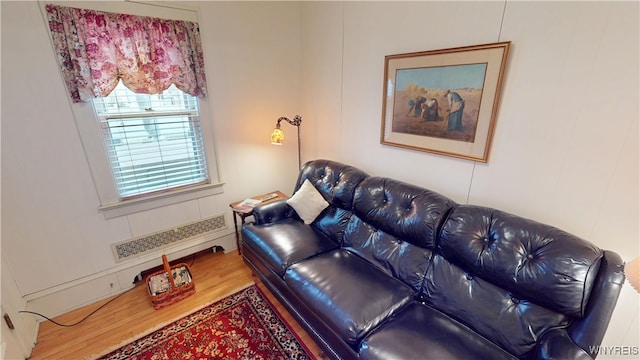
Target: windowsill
132,206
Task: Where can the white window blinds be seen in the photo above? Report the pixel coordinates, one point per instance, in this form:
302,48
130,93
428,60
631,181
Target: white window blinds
154,142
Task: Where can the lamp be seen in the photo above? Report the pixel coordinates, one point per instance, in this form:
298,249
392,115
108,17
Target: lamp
277,136
632,272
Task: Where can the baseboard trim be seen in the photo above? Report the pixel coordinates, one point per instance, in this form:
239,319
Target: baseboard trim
81,292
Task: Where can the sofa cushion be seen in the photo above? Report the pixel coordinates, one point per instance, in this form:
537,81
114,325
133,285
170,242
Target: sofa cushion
428,331
534,261
392,255
333,222
513,323
408,212
307,202
335,181
349,294
285,243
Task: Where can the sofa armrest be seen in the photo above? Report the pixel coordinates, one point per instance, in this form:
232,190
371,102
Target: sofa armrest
581,339
589,331
273,212
558,345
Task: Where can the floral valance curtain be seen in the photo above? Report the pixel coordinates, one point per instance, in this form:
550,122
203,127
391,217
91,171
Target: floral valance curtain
95,49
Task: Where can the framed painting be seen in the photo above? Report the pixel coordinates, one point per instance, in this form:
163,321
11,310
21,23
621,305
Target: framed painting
444,101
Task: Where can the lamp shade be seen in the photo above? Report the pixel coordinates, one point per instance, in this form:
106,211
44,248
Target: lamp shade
632,273
277,136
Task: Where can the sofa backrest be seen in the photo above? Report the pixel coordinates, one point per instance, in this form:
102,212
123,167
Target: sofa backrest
530,259
509,278
408,212
394,226
336,182
508,321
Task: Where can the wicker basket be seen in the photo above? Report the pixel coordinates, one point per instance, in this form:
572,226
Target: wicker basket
175,293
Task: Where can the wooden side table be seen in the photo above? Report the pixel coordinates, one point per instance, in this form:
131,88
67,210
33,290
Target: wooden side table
244,213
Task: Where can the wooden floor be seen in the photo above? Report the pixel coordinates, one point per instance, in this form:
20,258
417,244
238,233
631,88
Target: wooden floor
216,275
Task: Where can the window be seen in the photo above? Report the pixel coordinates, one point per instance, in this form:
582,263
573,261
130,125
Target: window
144,151
112,203
154,143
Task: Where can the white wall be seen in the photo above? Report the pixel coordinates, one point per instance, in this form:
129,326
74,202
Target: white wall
565,148
55,241
15,343
253,51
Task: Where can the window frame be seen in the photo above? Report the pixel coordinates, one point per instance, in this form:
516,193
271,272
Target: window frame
110,203
90,134
127,119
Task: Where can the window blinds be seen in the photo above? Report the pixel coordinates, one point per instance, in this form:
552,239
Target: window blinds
153,142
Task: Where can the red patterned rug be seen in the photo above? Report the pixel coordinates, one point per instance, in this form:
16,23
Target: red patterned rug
241,326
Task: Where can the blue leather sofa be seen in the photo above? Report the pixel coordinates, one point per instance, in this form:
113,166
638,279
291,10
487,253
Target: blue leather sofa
391,270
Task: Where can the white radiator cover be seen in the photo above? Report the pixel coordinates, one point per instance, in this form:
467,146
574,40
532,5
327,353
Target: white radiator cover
133,248
181,241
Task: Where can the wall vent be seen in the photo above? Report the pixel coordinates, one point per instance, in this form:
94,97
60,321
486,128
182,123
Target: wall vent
128,249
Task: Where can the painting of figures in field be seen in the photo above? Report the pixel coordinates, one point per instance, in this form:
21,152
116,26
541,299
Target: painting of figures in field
441,102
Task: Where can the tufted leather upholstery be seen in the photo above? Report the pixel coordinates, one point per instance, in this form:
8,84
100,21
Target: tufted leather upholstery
408,212
531,260
323,283
508,321
335,181
439,337
394,226
394,271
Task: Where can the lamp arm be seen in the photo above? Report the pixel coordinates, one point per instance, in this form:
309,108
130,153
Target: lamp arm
297,120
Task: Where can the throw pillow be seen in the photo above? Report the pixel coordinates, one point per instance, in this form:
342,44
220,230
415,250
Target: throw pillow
307,202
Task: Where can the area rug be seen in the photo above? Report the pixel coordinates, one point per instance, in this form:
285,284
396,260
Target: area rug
241,326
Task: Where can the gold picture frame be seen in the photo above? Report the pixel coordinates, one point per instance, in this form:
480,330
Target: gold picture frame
444,101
